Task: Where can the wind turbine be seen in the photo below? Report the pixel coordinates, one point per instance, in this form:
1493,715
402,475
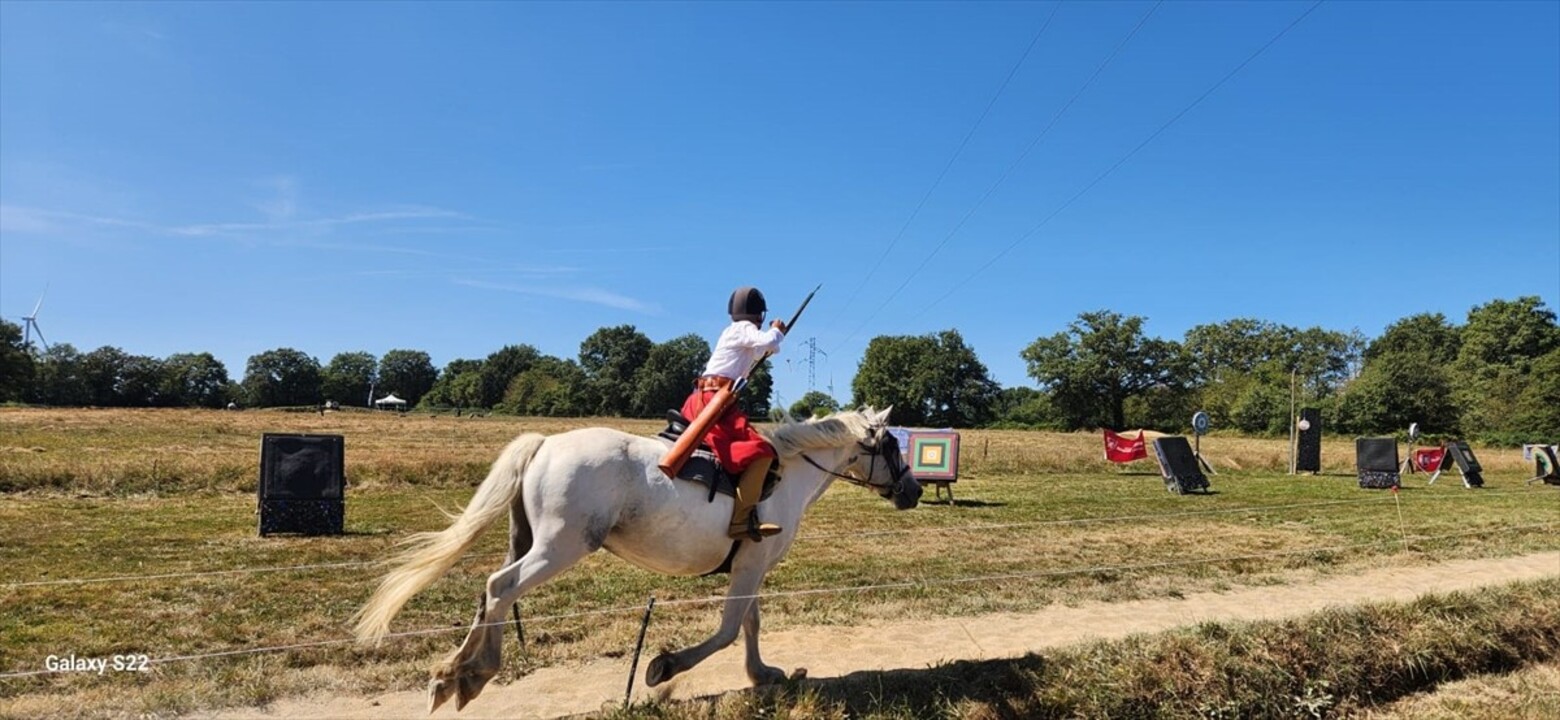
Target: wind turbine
30,324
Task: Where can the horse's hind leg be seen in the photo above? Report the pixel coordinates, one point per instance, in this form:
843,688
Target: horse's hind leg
467,670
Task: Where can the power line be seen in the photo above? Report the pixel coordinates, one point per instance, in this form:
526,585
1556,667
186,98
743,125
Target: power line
1124,158
956,153
1009,171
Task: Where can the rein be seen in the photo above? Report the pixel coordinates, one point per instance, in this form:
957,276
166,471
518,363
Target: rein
875,451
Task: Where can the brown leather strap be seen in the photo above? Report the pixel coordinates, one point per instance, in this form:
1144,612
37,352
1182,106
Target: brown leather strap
712,383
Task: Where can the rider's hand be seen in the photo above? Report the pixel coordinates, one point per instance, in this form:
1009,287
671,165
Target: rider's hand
776,324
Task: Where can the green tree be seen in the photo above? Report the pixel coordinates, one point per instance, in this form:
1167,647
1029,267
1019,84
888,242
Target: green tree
666,378
814,403
1260,408
933,379
1164,407
1024,407
1535,416
1428,335
349,378
756,398
1235,346
1098,362
58,379
101,371
1508,332
1398,388
1495,372
610,357
444,393
1325,359
500,368
281,378
407,373
141,382
549,388
16,364
194,380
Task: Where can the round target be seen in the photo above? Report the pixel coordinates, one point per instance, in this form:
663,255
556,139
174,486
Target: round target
1200,423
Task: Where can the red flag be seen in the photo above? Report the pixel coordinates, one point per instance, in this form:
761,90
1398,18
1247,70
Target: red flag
1122,449
1429,459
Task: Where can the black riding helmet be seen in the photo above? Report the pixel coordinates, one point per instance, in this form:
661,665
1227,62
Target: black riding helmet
747,303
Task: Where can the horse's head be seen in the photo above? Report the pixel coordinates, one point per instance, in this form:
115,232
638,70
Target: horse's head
881,466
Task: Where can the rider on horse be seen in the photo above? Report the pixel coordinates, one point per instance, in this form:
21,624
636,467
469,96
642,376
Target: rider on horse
739,447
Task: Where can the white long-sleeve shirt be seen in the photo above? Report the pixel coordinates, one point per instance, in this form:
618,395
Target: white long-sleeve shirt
739,346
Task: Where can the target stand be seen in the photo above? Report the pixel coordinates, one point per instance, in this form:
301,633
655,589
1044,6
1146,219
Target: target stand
302,484
1200,424
932,456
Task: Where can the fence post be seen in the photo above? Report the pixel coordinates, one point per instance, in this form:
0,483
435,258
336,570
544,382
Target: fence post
633,669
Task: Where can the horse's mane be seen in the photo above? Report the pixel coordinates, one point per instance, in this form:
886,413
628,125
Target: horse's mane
833,431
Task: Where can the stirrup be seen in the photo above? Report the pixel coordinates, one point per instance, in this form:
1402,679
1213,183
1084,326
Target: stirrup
752,529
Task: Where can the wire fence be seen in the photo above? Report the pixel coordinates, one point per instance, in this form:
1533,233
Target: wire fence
898,585
1146,517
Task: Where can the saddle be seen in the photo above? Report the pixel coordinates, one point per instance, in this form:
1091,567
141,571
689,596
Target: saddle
704,468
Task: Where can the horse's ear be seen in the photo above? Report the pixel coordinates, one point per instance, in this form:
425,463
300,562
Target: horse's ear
882,416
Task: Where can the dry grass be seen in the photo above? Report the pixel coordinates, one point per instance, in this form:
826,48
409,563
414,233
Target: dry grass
102,517
1532,693
1337,663
121,452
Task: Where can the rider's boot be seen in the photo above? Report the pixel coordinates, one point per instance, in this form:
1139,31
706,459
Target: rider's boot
744,514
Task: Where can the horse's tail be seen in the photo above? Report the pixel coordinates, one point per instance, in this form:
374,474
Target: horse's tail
431,554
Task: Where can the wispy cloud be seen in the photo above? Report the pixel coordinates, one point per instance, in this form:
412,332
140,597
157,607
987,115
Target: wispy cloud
249,228
539,272
595,296
133,30
34,220
282,206
42,221
26,221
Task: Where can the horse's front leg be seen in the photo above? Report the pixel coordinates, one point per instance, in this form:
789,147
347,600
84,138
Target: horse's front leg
757,671
739,598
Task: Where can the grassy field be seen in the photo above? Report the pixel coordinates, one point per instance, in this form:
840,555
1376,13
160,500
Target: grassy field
95,505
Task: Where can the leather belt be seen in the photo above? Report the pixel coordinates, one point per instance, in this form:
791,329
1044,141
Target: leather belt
712,383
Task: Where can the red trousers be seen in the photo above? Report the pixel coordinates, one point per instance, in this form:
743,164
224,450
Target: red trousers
735,442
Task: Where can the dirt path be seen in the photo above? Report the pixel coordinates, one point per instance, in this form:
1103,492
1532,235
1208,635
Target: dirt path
834,651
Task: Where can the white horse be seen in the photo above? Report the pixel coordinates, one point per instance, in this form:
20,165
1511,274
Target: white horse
570,494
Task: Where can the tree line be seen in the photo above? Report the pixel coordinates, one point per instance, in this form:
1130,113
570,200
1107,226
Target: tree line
1495,377
619,372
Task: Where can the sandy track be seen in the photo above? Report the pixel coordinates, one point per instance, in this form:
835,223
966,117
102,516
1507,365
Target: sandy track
835,651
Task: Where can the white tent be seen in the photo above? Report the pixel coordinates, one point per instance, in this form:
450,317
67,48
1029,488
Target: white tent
391,402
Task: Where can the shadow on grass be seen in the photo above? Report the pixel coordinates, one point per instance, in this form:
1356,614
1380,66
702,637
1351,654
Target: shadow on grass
999,685
344,534
966,503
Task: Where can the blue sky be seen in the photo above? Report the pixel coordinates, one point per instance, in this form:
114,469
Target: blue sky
454,178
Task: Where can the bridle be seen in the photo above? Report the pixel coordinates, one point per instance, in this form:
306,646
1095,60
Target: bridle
888,445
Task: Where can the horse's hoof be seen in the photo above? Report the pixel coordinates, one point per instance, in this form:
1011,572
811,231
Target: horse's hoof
768,676
661,669
470,687
439,691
